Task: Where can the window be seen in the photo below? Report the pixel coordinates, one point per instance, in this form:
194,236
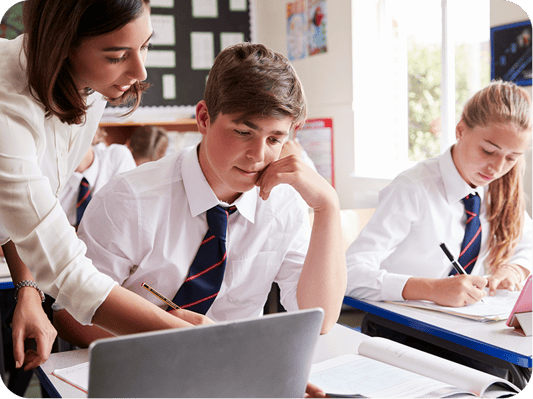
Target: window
415,64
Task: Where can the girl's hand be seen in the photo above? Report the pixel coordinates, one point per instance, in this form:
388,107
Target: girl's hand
506,277
460,290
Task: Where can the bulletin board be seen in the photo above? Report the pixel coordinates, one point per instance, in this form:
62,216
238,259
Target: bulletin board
316,138
511,53
188,35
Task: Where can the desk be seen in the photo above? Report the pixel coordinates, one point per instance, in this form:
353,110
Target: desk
340,340
5,284
491,342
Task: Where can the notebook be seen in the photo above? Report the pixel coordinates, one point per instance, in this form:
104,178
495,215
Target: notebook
269,356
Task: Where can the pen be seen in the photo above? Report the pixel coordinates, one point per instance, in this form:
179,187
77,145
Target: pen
458,268
455,264
160,296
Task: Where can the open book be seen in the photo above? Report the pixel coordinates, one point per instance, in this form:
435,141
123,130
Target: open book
497,307
385,368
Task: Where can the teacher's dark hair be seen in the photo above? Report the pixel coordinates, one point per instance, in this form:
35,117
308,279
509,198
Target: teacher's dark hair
55,27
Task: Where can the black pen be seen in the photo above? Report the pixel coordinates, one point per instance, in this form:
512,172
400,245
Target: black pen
455,264
458,268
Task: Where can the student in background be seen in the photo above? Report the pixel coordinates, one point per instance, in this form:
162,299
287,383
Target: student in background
154,235
397,255
97,167
54,80
148,143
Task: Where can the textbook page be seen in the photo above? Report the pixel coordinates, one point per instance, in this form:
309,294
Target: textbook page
497,307
466,378
357,376
77,375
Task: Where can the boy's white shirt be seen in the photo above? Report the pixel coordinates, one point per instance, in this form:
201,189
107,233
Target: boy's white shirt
147,224
420,209
108,162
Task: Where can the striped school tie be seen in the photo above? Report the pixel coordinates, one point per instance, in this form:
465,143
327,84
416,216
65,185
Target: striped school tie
472,240
84,196
204,279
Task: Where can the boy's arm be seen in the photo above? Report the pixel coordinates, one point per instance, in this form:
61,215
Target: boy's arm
322,282
76,333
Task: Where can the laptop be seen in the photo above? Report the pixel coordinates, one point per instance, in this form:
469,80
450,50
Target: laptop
269,356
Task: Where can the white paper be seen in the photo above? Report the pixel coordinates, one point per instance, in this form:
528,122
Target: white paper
160,59
497,307
77,375
169,87
162,3
164,32
202,50
205,8
237,5
230,38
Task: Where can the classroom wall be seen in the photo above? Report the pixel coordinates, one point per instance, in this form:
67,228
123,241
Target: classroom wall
329,82
327,78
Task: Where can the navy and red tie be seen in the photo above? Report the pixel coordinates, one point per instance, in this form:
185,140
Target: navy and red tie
84,196
204,279
472,240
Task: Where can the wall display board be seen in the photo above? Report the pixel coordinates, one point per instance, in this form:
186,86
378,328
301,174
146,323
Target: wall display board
188,35
511,53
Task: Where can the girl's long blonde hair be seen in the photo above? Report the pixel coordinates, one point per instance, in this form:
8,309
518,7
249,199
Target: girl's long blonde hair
502,103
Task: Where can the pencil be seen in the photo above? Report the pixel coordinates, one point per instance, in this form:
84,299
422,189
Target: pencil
160,296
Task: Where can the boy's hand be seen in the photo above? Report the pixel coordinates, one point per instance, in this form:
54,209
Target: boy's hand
191,317
506,277
312,391
313,188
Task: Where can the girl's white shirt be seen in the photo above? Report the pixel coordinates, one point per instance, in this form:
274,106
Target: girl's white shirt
37,156
420,209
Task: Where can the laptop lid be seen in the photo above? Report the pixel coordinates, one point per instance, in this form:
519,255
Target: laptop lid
268,356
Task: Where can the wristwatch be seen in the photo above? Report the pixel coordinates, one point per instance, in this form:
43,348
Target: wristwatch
28,283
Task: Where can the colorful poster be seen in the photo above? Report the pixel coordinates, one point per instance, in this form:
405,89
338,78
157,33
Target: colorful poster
296,30
317,17
316,138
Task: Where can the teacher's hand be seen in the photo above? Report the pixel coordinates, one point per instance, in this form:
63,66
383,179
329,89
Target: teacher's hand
30,322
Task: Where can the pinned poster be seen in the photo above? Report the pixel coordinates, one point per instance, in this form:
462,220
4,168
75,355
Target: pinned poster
296,30
317,16
316,138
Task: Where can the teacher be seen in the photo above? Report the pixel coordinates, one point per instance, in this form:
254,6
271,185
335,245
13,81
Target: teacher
54,82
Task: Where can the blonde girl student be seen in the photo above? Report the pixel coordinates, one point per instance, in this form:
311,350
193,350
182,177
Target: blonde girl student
54,82
398,255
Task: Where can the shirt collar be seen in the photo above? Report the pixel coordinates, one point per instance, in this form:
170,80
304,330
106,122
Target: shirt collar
455,186
201,197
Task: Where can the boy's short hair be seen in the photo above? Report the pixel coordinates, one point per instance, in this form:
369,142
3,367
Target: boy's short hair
253,81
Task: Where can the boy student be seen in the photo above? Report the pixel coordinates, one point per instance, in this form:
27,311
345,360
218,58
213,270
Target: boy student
148,224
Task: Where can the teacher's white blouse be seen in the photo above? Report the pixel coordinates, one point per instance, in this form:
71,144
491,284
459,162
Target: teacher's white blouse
37,156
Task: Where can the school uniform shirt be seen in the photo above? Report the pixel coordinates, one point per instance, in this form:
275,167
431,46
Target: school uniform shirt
37,156
420,209
146,225
108,161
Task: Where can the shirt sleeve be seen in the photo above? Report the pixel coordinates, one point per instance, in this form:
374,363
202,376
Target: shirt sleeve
34,220
398,207
524,251
298,243
110,229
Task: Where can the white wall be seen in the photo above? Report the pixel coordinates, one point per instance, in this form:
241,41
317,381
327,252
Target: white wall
328,80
